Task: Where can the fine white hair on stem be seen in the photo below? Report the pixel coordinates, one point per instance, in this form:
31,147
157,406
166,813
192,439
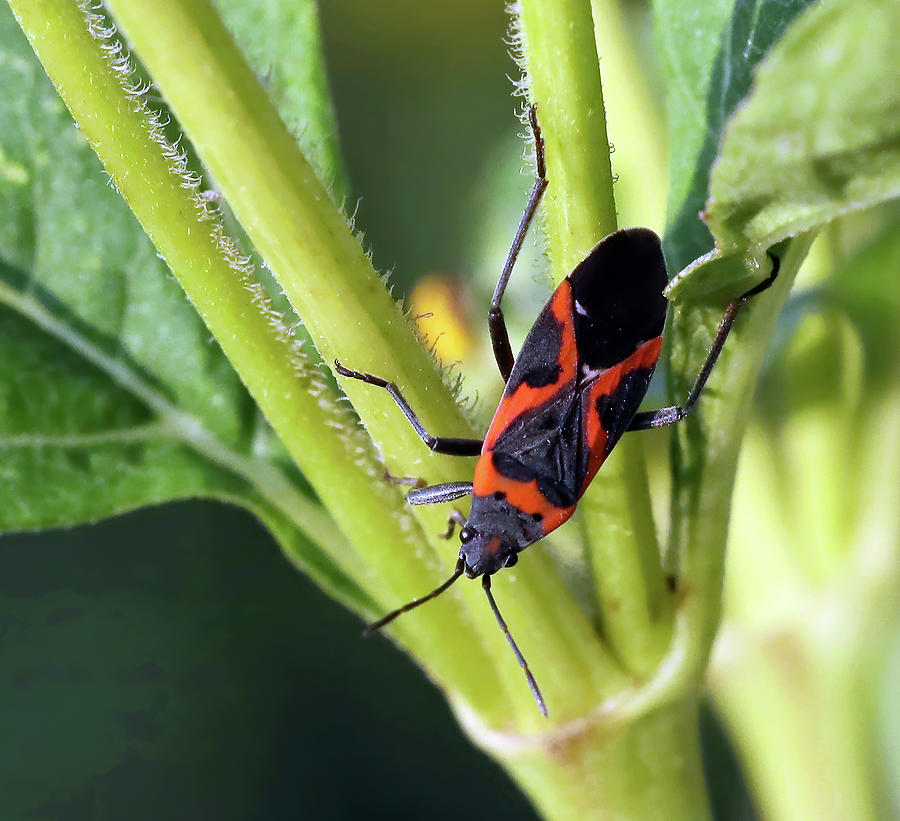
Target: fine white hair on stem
158,121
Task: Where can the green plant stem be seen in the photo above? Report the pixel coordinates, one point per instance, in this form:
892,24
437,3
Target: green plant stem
636,608
793,678
564,78
635,127
169,213
797,710
292,221
456,637
705,451
646,770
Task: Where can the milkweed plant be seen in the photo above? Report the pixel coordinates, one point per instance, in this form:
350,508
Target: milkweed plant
783,134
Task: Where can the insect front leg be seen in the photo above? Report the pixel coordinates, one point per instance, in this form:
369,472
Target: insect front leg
451,446
446,492
435,494
412,481
675,413
496,323
455,518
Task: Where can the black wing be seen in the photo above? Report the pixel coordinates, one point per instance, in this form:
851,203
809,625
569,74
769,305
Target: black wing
618,297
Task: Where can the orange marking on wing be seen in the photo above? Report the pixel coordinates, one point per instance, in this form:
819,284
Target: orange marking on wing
645,356
526,397
525,496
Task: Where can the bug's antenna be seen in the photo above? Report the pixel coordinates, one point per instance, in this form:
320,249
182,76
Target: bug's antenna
377,625
535,690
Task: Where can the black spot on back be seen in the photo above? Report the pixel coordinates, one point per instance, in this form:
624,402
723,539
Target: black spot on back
619,287
544,443
541,375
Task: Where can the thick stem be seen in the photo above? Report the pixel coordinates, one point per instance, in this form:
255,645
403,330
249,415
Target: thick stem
798,713
649,769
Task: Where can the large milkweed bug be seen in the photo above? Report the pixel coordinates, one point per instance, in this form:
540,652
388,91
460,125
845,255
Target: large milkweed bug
572,392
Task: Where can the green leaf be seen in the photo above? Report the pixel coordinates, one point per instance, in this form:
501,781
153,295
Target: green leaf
792,162
112,393
708,51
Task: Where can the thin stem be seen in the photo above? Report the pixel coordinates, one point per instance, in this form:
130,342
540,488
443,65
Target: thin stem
564,78
636,128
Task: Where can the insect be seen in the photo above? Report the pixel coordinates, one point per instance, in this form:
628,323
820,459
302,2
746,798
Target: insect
571,393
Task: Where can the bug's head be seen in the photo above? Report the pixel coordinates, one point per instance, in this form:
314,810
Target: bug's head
484,552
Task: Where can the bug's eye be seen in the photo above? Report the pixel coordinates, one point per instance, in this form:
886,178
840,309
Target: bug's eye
466,534
511,559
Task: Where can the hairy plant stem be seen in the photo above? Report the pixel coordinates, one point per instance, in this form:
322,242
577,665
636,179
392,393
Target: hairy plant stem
348,311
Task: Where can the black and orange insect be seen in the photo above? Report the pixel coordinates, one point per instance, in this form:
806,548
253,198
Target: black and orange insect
572,392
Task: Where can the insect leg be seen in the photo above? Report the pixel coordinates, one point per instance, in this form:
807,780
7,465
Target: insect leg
496,323
446,492
435,494
675,413
412,481
439,444
455,518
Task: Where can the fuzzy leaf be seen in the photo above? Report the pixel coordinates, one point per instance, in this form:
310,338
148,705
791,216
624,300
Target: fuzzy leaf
790,163
708,52
794,161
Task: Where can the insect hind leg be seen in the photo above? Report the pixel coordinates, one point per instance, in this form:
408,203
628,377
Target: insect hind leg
675,413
